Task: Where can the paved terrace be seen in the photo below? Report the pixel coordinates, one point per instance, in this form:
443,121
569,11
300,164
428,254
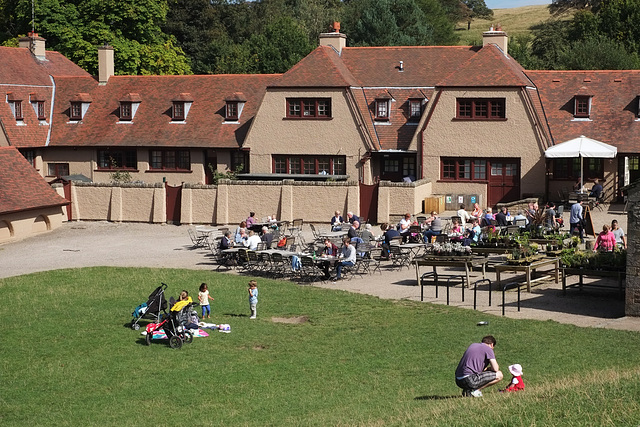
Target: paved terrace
83,244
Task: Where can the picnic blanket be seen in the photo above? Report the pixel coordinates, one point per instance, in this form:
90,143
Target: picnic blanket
161,335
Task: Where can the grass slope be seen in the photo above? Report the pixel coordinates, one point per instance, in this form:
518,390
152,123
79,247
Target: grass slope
68,357
515,21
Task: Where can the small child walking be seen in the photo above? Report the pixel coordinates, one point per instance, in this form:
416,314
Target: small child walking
253,297
204,297
516,383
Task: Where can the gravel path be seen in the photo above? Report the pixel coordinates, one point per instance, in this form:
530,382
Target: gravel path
82,244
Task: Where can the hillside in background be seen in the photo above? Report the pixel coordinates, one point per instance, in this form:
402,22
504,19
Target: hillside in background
514,21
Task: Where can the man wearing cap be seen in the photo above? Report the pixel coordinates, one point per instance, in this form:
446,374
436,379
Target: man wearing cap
478,368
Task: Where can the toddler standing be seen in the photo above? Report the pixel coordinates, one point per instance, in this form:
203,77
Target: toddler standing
253,297
204,297
516,383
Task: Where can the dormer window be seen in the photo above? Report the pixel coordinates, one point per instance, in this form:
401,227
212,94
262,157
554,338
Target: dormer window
382,109
180,107
308,108
415,109
234,105
16,106
79,105
232,111
76,111
582,106
638,107
37,102
17,110
178,110
128,106
125,111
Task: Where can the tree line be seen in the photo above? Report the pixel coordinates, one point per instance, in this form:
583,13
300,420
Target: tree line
270,36
226,36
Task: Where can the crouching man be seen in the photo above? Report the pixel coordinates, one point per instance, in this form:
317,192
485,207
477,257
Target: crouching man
478,368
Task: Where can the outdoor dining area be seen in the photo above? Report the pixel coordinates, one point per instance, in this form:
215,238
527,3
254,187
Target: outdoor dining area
508,259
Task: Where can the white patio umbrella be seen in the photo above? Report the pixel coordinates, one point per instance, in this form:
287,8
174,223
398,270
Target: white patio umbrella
581,147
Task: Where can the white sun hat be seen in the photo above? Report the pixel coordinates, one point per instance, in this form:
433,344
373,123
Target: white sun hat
516,370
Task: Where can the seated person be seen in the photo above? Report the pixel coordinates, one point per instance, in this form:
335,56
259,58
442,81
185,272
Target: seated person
336,222
473,233
266,236
388,233
367,236
351,217
456,232
435,228
596,190
251,219
239,234
252,241
488,215
353,230
226,242
347,256
329,250
404,226
520,216
477,212
501,217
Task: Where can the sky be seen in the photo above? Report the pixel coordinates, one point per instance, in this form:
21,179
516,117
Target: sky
505,4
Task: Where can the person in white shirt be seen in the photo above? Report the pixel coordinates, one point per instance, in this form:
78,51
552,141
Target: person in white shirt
464,215
348,256
252,241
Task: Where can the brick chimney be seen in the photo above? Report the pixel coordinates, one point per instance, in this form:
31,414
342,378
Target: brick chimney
496,36
335,38
105,64
35,44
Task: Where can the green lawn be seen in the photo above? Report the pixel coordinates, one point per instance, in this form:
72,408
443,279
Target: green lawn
69,358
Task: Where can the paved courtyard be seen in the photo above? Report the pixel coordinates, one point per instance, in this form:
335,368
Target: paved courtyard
82,244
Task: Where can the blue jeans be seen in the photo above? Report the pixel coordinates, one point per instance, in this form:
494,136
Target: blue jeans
430,233
205,309
340,265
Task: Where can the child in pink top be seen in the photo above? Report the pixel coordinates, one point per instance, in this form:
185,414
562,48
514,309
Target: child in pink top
606,240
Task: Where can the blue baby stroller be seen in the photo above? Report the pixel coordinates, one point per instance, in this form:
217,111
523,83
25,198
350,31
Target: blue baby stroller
153,309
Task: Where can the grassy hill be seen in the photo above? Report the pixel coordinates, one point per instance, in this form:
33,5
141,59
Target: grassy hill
514,21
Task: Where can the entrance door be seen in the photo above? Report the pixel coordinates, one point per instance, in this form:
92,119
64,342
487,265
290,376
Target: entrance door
504,181
369,203
174,201
66,187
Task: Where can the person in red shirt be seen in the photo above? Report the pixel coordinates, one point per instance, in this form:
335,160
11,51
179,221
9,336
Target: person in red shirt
606,240
516,383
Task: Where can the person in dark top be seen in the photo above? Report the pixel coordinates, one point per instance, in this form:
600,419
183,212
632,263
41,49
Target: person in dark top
501,217
329,250
596,190
336,222
226,242
353,218
389,233
266,236
353,230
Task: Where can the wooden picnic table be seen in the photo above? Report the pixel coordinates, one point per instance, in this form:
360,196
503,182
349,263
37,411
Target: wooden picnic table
528,269
581,272
467,262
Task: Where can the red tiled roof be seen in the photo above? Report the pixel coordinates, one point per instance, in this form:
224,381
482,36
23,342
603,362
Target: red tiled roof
20,67
614,106
22,74
27,132
21,187
489,68
321,68
152,126
423,66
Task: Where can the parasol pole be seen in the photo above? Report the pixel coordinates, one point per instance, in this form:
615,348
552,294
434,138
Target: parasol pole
581,173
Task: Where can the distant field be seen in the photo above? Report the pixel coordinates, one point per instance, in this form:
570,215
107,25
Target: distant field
514,21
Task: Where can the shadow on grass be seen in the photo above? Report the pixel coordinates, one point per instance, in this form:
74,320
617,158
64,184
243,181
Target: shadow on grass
435,397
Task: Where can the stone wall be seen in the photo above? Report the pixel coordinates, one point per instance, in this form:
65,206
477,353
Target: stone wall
632,306
230,202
